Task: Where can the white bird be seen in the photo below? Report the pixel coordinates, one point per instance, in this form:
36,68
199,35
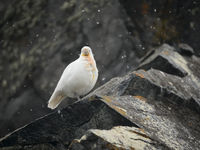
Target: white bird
78,78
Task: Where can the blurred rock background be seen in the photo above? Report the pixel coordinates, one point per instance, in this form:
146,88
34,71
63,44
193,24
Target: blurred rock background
38,39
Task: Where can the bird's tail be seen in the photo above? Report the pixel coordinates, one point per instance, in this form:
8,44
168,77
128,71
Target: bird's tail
55,100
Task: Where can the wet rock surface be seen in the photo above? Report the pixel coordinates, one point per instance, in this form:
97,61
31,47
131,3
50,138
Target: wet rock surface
154,108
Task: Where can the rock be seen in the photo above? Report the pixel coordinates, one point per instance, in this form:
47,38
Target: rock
58,129
153,23
167,60
120,137
161,119
164,114
161,110
185,49
38,39
34,147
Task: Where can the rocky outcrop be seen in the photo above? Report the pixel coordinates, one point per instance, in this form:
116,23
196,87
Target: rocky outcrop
120,137
155,108
39,39
60,128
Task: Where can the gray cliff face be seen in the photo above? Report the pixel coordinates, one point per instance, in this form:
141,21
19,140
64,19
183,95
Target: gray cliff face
39,39
149,108
156,105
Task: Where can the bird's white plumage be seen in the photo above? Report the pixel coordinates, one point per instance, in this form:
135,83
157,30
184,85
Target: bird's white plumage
78,78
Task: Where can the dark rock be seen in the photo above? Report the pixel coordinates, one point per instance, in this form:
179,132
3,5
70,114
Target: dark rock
38,39
162,105
174,126
165,108
185,49
60,128
183,91
167,60
33,147
193,64
153,23
119,137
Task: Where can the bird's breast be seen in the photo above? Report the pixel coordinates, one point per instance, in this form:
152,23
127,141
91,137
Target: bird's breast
90,66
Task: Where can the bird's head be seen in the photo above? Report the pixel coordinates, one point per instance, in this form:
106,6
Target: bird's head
86,51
